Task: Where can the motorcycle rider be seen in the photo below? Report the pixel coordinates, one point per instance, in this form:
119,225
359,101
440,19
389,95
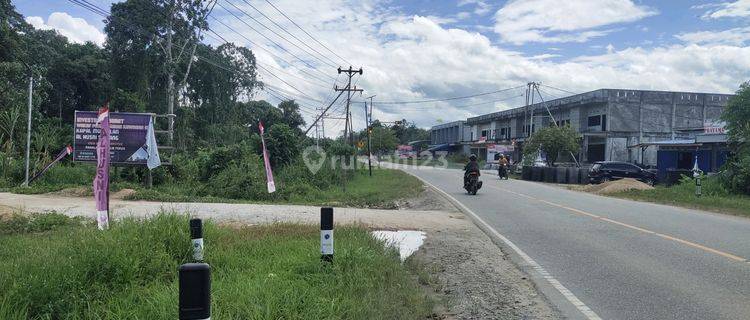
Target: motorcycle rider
470,167
502,169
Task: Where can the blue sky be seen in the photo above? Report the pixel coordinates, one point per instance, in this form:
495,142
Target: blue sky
434,49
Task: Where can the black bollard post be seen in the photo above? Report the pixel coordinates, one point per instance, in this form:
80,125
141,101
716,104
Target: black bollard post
326,234
698,191
195,291
196,234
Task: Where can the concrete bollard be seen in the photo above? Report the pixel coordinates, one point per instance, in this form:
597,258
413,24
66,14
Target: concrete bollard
196,234
326,234
195,291
194,280
698,191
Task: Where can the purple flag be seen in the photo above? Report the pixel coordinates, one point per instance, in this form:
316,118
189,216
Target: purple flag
269,174
65,151
101,180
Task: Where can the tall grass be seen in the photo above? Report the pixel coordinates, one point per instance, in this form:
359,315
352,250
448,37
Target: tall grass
73,271
715,196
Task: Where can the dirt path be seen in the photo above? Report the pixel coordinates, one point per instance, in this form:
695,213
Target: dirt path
474,276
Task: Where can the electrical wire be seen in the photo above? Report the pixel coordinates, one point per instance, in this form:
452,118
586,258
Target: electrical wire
256,44
307,33
278,35
287,31
452,98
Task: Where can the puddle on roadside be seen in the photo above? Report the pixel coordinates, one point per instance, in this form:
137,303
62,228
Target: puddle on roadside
405,241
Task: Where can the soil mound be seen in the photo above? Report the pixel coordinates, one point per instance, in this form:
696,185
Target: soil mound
122,194
74,192
616,186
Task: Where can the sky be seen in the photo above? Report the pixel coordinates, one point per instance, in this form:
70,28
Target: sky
424,50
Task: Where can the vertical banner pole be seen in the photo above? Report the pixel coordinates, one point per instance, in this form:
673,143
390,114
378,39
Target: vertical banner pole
101,180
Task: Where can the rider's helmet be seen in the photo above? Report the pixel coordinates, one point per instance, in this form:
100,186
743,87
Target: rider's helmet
473,157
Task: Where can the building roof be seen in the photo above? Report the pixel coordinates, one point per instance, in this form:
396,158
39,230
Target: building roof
448,125
601,96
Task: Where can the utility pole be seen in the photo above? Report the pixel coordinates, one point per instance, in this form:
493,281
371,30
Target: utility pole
349,72
28,127
368,120
531,109
552,118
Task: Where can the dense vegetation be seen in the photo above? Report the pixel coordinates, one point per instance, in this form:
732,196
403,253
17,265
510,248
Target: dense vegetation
54,267
153,57
737,116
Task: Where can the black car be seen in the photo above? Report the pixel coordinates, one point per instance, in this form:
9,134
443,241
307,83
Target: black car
612,170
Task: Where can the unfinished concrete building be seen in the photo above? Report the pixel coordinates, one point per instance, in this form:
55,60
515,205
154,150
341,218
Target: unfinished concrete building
611,121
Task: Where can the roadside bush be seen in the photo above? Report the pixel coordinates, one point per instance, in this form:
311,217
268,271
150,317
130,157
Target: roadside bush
736,115
40,222
737,174
710,186
245,180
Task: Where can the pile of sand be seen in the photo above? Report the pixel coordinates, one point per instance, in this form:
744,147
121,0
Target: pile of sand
616,186
89,192
74,192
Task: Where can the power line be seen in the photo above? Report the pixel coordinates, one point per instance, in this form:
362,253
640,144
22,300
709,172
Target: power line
307,33
287,31
216,37
558,89
419,108
277,34
91,7
263,68
452,98
264,36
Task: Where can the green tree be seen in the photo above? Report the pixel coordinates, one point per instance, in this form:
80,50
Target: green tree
552,141
282,143
737,117
383,139
291,115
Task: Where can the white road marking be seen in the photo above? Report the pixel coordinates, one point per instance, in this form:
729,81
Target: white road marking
577,303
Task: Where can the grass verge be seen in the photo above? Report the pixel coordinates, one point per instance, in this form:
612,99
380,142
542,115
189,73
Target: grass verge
58,268
382,190
714,197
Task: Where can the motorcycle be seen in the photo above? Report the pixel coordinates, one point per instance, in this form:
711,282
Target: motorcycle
502,171
472,183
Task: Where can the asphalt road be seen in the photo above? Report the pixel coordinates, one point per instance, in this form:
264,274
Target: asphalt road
622,259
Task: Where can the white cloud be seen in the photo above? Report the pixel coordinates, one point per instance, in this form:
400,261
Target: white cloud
414,57
735,36
522,21
480,7
736,9
75,29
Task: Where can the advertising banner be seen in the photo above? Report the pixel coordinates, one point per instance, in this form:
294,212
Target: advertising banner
128,139
493,150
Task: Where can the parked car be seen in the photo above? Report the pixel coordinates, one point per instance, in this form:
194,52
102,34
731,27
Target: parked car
613,170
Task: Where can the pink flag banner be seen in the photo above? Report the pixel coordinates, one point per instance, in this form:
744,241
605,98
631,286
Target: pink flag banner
65,151
269,174
101,180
